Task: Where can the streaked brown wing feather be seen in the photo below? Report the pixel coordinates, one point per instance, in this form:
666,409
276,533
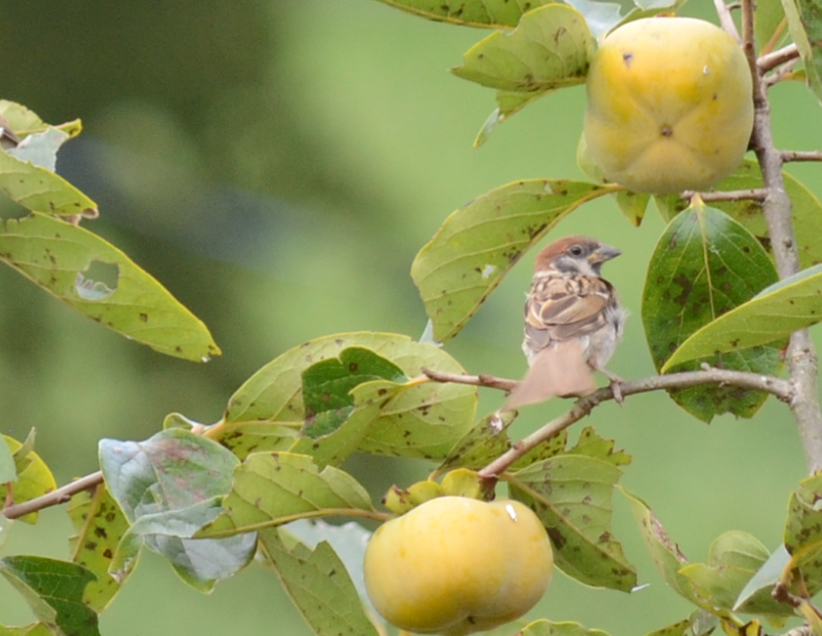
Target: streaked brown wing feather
562,308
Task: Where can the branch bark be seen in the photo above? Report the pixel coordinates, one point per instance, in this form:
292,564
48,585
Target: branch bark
782,389
801,355
55,497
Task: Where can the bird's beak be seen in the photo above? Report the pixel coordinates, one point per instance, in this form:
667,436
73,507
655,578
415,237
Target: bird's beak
602,254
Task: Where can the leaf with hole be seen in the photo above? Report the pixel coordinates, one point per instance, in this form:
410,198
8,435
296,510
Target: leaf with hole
98,280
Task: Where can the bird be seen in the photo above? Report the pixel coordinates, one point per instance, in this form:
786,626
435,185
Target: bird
573,322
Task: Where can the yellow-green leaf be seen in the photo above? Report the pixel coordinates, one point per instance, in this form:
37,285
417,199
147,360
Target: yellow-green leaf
100,281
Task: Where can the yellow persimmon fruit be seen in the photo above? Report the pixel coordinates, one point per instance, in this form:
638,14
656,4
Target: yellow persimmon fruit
670,105
456,565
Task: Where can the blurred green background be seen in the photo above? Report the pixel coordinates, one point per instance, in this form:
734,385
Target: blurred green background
277,165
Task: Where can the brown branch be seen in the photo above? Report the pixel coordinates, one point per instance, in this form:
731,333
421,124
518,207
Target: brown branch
782,389
801,155
756,194
485,380
779,57
55,497
801,355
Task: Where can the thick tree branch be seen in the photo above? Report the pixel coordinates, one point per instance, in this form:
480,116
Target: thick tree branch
55,497
801,355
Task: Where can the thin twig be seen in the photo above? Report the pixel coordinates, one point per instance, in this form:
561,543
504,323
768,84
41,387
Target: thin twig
801,355
683,380
484,380
726,19
801,155
782,389
756,194
782,73
779,57
55,497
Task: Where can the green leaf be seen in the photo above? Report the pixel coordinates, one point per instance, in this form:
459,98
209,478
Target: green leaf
35,481
699,623
732,561
768,17
590,444
806,30
474,13
479,243
245,437
633,205
550,48
665,554
487,440
803,533
8,470
34,629
100,281
369,400
705,265
348,540
99,524
545,627
270,489
756,597
772,315
422,420
508,103
806,211
168,486
22,459
41,190
318,583
25,122
40,149
571,495
54,591
328,386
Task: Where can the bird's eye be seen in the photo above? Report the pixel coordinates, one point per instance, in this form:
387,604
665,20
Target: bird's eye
576,250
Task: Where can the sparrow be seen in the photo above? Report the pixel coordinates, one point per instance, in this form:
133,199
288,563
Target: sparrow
573,322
